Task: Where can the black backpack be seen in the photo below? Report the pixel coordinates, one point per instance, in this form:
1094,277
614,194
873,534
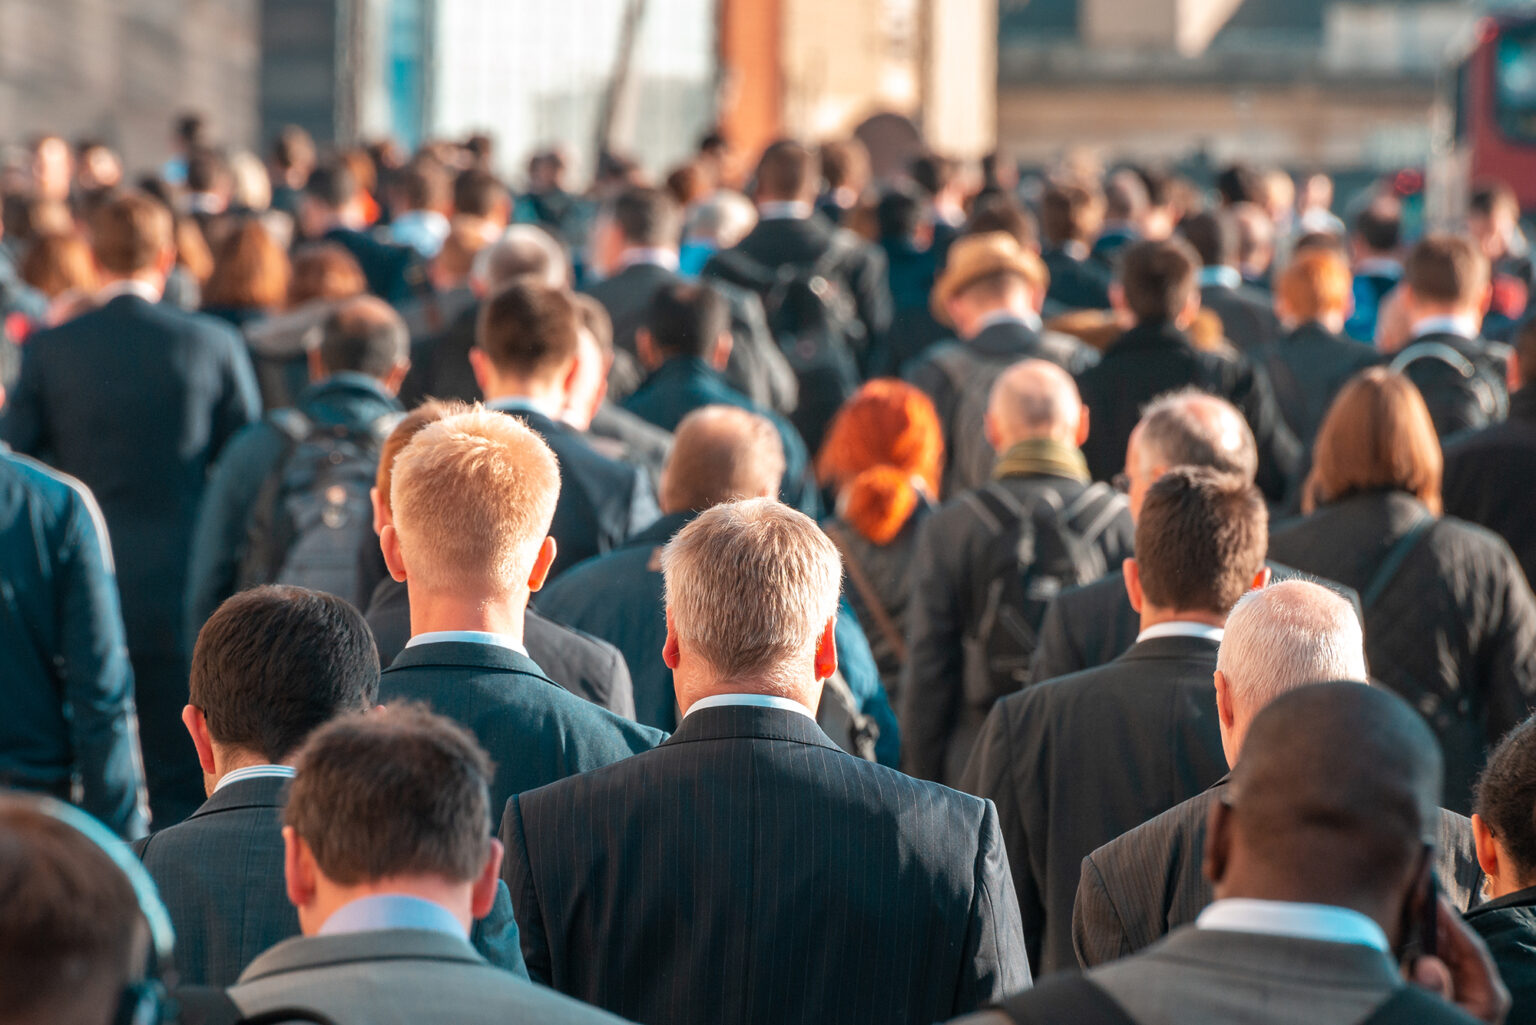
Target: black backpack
840,718
1038,548
816,324
313,514
1461,393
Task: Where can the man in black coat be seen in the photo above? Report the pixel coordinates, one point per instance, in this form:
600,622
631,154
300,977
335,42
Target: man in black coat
1490,475
786,882
1147,882
137,399
525,358
253,703
1157,287
1041,755
1070,216
1246,315
332,212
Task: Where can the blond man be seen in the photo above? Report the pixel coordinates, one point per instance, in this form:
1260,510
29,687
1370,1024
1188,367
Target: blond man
471,498
748,870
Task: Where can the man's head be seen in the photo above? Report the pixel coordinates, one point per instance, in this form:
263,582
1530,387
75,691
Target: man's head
752,591
270,666
1213,234
1378,229
1504,822
481,195
472,497
524,253
1187,428
1493,217
396,802
1200,543
429,412
132,237
363,336
899,216
1445,275
1334,801
1315,287
1158,282
642,218
525,343
594,361
1035,399
1070,213
1255,239
1279,638
984,275
787,172
332,196
845,168
686,321
721,454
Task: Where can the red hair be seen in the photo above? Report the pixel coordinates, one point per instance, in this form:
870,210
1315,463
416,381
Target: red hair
883,444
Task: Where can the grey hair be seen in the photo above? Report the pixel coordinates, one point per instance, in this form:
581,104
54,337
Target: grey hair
522,252
1288,635
1190,427
724,217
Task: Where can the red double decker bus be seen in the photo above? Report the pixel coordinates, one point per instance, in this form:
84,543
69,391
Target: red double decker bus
1495,109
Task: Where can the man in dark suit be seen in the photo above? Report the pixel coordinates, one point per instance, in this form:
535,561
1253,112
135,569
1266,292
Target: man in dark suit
1321,853
62,656
332,212
525,358
1070,216
955,671
1147,882
786,878
1246,315
990,291
1157,287
1200,543
1490,475
137,399
387,863
472,497
608,427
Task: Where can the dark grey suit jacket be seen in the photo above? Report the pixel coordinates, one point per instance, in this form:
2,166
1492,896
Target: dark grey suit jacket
749,871
1144,884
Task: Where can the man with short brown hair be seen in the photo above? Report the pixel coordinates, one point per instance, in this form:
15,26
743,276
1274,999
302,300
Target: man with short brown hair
1070,218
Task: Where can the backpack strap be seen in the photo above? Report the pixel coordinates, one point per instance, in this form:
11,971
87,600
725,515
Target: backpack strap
868,595
262,525
1066,998
1439,351
1398,554
1102,502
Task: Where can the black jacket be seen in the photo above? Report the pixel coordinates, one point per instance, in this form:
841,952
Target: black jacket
1454,631
1466,388
1042,756
440,363
1153,359
749,871
1490,478
1307,367
1076,284
1247,315
1508,925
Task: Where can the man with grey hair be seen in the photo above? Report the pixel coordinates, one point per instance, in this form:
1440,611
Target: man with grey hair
1148,882
987,564
1094,624
756,873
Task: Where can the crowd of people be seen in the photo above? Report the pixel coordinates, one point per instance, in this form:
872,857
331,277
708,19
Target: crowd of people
759,594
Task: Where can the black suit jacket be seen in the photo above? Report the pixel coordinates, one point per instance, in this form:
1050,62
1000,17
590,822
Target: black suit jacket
749,871
1247,315
1490,478
1045,757
1076,284
1149,881
440,363
1153,359
1307,367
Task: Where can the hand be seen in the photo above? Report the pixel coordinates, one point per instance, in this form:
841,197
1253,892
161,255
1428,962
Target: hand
1464,973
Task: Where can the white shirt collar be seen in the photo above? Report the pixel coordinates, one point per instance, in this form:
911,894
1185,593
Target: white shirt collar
750,700
515,404
467,637
1181,628
1462,327
784,210
1298,921
653,256
1029,318
128,286
254,772
1227,277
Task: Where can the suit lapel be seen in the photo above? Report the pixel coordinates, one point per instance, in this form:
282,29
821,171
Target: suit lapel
463,655
306,953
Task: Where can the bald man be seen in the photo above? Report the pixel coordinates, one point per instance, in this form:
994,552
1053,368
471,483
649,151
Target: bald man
1320,853
1137,887
1094,624
977,601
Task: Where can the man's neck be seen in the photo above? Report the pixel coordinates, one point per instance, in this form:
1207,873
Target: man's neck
500,614
148,281
510,389
1013,310
1151,617
331,897
227,760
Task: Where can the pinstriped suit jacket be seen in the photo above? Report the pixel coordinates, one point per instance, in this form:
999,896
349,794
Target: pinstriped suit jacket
749,872
1139,887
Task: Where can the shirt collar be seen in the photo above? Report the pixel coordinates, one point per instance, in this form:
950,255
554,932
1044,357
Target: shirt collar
1181,628
751,701
653,256
1461,327
1298,921
524,404
1226,277
782,210
128,286
254,772
467,637
391,911
1029,318
1379,267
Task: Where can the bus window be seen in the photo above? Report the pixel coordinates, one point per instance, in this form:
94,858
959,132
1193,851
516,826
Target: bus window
1515,85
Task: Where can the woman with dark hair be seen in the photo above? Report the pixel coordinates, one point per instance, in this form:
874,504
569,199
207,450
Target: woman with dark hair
1450,623
323,274
1504,827
250,276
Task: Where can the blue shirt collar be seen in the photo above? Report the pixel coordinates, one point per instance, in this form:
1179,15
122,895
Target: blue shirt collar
1294,920
467,637
522,404
392,911
254,772
1226,277
751,701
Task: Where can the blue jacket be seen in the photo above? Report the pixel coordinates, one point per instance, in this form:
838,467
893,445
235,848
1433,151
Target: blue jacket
63,661
685,383
219,541
619,597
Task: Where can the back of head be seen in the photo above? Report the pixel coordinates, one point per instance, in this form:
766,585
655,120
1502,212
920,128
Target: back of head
1379,227
293,149
1239,183
72,936
130,233
899,214
274,663
250,271
1069,213
207,171
394,794
647,217
478,193
1213,234
1192,428
1125,196
1446,269
472,497
1035,399
1315,284
751,586
885,442
524,253
1336,795
787,171
1159,279
1200,540
529,330
1377,436
845,164
933,172
60,262
1506,799
721,454
324,271
332,185
1255,234
687,320
364,335
424,184
724,218
429,412
1001,213
1288,635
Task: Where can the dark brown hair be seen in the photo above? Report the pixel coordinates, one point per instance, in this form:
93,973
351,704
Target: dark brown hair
250,271
1200,539
787,170
1446,269
1505,798
1158,279
529,330
324,270
130,231
1070,213
1377,436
